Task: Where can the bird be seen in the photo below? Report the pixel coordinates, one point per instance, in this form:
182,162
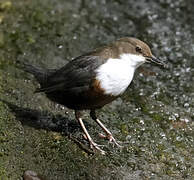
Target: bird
94,79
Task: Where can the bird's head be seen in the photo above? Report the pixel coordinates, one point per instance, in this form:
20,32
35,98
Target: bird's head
137,51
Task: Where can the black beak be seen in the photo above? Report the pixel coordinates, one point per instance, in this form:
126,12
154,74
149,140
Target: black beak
153,59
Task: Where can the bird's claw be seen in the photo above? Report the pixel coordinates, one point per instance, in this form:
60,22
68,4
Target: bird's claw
110,139
96,147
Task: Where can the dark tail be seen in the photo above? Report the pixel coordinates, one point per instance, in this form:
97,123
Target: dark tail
39,73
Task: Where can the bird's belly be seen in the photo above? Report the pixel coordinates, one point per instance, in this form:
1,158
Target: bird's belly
85,100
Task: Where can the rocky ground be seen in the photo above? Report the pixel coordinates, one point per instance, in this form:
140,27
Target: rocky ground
154,119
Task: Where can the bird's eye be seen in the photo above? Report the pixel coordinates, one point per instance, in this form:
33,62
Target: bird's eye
138,49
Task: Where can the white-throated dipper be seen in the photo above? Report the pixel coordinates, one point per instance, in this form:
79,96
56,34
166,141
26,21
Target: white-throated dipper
94,79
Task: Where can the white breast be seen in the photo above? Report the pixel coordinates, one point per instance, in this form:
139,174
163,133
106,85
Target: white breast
116,74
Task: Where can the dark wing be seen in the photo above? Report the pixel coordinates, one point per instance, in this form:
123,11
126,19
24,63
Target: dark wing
75,76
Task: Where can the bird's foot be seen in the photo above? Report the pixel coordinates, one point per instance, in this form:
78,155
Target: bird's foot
96,147
110,139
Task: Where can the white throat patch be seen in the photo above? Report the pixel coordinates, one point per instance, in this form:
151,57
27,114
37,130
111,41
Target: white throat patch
116,74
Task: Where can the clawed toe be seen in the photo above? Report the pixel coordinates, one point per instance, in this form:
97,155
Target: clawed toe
110,139
95,146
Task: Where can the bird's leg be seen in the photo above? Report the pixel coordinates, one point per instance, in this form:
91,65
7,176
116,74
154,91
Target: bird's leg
93,145
109,135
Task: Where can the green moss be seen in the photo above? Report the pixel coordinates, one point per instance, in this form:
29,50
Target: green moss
124,129
5,138
157,117
5,5
1,39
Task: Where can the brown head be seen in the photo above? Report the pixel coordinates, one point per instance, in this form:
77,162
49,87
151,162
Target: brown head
127,45
137,47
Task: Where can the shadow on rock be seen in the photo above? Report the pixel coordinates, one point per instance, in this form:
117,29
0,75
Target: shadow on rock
43,119
49,121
